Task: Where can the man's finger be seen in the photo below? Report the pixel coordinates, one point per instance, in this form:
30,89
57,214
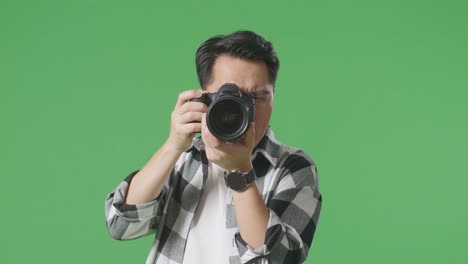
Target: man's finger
187,95
191,117
191,128
191,107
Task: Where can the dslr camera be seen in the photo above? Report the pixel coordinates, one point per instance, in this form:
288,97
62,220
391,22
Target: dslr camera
230,112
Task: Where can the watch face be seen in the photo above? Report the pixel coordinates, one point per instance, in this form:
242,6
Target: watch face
236,180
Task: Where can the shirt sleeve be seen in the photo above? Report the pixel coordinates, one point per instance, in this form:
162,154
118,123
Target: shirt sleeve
294,211
126,221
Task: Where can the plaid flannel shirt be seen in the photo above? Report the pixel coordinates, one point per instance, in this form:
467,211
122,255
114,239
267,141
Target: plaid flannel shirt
286,178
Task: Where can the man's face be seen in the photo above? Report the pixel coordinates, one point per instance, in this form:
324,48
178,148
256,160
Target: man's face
250,77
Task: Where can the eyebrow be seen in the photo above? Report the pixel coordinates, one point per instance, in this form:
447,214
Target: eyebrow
261,92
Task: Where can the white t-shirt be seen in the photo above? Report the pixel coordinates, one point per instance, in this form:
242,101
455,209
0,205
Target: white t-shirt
209,241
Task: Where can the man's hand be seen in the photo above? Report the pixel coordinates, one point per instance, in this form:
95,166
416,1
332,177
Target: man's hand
229,155
185,120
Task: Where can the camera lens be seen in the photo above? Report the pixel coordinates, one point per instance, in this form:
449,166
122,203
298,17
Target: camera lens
227,117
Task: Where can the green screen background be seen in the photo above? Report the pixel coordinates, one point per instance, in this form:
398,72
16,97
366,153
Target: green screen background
374,91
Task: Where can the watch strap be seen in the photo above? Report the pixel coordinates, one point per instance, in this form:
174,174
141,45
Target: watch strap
250,176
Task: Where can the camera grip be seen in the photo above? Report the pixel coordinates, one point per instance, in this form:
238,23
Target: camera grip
201,99
204,98
198,99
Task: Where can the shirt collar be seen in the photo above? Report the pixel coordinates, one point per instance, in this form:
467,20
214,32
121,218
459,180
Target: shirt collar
268,147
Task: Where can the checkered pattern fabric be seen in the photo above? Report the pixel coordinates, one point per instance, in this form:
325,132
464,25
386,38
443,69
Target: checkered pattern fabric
286,177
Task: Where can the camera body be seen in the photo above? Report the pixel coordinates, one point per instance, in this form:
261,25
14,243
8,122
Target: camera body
229,112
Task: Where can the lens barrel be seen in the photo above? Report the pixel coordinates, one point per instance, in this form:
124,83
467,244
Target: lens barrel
228,118
229,112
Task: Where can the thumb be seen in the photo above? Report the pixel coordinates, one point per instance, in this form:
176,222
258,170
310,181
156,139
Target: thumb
250,135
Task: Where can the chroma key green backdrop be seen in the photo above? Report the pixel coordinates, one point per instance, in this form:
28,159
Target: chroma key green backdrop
375,91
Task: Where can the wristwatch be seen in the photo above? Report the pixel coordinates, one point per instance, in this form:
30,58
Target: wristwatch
238,180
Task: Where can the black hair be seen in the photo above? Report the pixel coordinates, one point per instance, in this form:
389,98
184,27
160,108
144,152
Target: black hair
241,44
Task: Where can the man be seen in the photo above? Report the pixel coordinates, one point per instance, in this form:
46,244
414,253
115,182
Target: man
181,193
